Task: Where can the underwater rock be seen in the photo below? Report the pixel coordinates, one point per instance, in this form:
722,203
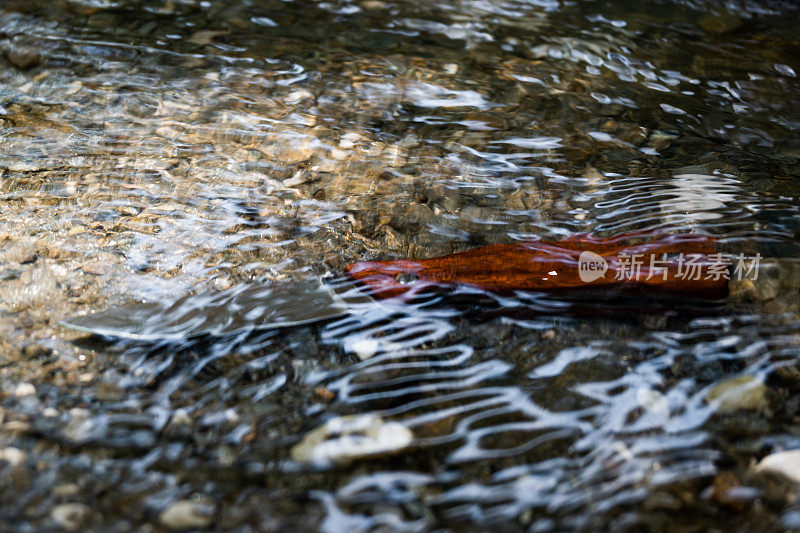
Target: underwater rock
743,290
23,57
739,393
291,151
24,389
188,514
785,463
13,456
343,439
70,516
721,23
415,216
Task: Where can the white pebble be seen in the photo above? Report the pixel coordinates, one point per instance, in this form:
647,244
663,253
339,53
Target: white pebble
187,514
363,348
24,389
70,516
345,438
786,464
13,456
181,418
295,97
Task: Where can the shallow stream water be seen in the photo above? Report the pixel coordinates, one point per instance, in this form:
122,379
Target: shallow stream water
153,149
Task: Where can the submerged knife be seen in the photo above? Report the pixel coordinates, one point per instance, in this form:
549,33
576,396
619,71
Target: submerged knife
553,267
239,309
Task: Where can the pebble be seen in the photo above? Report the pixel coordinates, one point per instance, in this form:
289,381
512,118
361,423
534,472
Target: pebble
70,516
326,165
23,56
352,137
739,393
743,290
95,268
24,389
409,141
325,394
786,463
33,351
343,439
363,348
295,97
416,215
205,37
83,8
16,426
450,205
9,274
13,456
396,156
374,4
767,289
290,152
339,155
298,178
21,254
67,489
181,417
660,136
521,200
188,514
721,23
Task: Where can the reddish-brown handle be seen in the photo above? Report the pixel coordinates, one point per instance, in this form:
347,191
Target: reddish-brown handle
553,267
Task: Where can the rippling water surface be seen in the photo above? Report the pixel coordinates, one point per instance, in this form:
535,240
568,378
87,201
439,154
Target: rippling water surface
157,148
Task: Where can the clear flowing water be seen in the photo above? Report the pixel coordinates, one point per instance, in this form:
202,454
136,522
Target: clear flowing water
157,148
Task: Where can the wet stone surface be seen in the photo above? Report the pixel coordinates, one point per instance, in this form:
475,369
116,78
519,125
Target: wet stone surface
154,149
